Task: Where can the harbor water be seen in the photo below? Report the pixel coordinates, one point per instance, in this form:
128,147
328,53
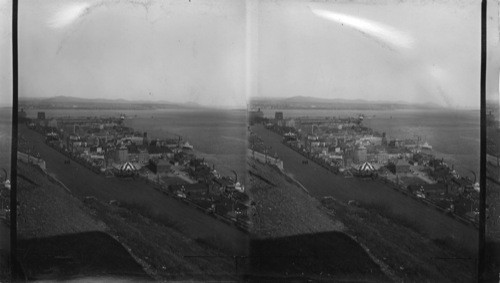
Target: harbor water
453,134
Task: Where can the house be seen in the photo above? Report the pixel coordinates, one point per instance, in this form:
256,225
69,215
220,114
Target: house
41,115
278,116
360,155
52,123
290,123
401,166
159,166
196,189
121,155
143,156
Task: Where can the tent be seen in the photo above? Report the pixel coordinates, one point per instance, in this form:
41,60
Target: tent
366,167
128,167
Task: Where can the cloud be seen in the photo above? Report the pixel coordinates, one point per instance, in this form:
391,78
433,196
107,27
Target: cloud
68,14
386,34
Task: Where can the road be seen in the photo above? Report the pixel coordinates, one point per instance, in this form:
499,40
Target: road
82,182
320,183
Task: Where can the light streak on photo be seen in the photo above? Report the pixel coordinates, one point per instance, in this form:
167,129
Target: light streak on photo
68,15
378,31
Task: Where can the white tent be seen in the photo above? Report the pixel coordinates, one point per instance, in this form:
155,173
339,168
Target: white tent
128,167
366,167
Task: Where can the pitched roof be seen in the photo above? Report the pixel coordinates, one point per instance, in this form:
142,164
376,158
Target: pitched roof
127,166
402,162
366,167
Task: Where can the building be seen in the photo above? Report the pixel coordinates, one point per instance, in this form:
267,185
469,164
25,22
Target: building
384,139
290,123
121,155
159,166
401,166
53,123
360,155
371,140
278,116
143,156
134,140
41,115
196,189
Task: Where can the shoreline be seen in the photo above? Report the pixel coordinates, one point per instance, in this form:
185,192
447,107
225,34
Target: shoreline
322,183
374,117
126,191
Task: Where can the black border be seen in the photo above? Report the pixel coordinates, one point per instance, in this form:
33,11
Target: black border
482,160
15,270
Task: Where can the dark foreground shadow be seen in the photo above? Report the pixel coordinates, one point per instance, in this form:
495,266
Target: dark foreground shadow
81,255
328,256
492,262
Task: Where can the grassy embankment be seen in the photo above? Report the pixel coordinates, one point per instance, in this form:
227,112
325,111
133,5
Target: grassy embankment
395,243
410,254
297,238
283,208
51,218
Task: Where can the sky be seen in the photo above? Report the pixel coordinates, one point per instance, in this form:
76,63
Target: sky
220,53
178,51
415,51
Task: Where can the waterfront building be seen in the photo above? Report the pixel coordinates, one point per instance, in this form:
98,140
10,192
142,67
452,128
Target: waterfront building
371,157
290,123
160,166
143,156
312,137
395,143
371,140
383,157
133,140
196,189
315,143
52,123
278,116
401,166
121,155
360,155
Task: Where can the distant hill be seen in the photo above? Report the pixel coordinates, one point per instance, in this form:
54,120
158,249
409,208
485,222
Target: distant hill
65,102
306,102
